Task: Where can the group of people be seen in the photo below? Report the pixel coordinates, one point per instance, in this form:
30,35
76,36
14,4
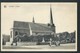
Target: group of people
56,41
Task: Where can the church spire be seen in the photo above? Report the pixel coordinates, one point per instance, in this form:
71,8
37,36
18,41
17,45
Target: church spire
51,21
51,17
33,20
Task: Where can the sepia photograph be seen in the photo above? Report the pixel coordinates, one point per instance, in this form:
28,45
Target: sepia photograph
45,26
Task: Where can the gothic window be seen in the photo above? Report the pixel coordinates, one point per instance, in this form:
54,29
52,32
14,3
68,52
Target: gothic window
16,33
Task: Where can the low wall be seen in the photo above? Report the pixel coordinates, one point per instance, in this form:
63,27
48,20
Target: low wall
26,43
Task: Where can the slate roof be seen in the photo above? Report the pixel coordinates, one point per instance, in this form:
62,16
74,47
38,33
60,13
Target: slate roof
34,26
20,24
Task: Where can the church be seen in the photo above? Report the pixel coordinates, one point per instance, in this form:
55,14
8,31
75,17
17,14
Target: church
27,33
29,29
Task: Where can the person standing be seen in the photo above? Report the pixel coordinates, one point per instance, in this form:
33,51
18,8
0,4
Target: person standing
50,42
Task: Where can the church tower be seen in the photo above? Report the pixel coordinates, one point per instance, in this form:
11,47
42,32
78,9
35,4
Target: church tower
51,21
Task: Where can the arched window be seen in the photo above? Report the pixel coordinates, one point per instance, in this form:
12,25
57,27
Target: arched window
16,33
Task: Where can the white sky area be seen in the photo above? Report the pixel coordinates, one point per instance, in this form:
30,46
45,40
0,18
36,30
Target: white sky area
64,15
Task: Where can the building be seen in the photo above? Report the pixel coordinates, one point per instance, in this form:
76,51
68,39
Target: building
26,30
5,38
66,37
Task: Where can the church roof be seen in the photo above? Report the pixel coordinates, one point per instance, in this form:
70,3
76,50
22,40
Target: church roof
34,26
21,25
39,27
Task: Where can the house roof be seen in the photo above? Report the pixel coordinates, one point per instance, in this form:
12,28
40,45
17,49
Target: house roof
34,26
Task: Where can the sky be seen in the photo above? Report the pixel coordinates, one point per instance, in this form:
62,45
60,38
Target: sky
64,15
